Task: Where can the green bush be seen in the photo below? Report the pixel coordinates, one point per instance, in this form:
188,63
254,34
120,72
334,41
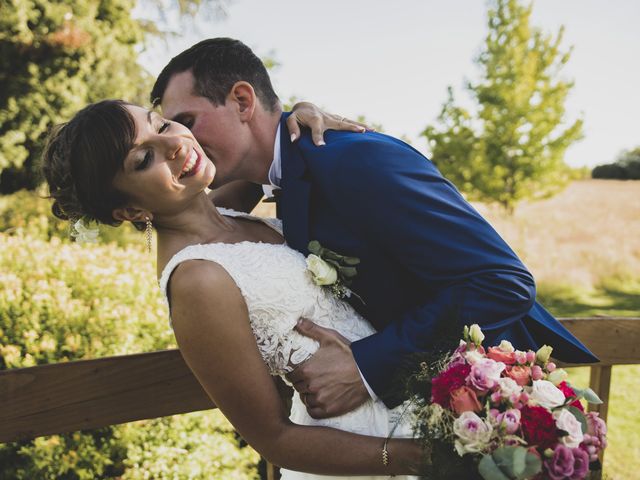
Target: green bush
29,213
60,301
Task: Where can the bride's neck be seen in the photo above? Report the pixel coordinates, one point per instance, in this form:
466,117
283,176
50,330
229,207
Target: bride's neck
200,222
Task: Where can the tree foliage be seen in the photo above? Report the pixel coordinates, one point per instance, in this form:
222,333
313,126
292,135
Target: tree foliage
55,57
512,147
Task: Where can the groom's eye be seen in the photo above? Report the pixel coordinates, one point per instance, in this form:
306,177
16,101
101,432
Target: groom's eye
186,121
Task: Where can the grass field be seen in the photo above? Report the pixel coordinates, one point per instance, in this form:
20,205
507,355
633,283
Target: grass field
583,247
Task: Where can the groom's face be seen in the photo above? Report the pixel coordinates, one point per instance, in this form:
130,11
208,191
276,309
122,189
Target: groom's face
216,128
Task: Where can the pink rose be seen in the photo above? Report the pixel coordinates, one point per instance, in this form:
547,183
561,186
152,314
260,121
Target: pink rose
521,357
495,353
536,372
521,374
510,420
560,466
485,374
464,399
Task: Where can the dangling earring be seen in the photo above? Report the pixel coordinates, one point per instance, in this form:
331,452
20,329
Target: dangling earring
148,232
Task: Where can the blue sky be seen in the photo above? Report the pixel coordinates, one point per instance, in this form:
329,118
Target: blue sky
392,60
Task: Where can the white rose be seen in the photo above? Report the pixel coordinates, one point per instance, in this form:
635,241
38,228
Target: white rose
505,346
558,376
546,394
473,356
508,387
566,421
475,333
322,272
473,433
543,354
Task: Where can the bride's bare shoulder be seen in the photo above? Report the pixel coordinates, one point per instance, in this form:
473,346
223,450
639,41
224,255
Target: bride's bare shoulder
202,286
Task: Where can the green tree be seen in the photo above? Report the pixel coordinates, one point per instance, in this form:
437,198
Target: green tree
55,57
512,147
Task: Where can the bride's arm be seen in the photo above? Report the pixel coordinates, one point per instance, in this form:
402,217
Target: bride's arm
211,325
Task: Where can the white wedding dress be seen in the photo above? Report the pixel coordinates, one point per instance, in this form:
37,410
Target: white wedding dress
278,290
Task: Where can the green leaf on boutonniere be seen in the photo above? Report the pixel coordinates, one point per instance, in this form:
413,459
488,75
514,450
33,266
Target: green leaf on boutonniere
343,265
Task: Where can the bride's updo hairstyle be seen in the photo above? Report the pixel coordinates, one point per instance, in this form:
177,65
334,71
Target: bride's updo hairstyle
82,157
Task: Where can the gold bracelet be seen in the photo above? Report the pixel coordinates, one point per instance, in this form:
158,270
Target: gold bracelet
385,453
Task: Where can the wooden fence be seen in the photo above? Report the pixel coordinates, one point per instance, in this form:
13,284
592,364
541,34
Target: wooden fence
86,394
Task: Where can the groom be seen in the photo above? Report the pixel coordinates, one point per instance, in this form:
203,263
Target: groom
427,258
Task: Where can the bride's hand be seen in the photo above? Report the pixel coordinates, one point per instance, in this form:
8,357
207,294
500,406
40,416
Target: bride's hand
308,115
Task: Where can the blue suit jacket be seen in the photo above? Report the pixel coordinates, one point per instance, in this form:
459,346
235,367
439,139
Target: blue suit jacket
425,252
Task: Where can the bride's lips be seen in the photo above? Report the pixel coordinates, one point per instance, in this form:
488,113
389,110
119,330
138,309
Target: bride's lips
196,166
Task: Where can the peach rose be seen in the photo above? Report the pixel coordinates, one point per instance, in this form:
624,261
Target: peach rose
521,374
464,399
495,353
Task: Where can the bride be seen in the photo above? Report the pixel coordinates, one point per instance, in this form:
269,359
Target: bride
234,288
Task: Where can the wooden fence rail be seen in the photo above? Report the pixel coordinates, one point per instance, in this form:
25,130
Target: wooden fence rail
85,394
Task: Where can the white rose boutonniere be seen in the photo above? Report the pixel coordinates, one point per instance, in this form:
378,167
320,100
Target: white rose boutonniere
322,272
329,269
83,233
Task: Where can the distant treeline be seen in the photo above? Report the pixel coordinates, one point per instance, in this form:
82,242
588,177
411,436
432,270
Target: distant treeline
626,167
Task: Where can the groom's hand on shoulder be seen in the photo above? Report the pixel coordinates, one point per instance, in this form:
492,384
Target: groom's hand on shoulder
329,383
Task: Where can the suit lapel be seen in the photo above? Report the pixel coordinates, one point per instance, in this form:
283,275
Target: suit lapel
293,204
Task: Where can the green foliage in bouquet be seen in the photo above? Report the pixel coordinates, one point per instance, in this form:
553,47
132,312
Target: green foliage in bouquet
509,463
59,302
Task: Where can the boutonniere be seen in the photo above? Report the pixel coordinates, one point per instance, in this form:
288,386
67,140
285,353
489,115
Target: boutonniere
329,269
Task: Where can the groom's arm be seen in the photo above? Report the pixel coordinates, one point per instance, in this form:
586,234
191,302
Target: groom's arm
425,226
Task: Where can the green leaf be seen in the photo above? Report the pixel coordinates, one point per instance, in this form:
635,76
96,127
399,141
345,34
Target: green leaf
516,462
348,272
489,470
591,396
314,247
579,416
351,261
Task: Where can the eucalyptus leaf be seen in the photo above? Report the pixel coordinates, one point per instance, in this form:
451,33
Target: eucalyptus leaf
348,272
579,416
351,261
328,254
314,247
489,470
591,396
516,462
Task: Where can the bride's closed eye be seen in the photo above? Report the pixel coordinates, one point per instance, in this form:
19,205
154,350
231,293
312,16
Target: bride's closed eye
148,156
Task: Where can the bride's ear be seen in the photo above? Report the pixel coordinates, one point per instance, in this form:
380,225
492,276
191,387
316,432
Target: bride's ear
131,214
244,96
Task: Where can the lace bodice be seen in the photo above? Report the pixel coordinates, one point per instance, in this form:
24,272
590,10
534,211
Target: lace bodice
278,290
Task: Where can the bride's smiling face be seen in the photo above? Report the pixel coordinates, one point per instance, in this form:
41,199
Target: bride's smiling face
165,168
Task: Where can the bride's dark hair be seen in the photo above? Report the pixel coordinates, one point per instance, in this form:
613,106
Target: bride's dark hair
82,157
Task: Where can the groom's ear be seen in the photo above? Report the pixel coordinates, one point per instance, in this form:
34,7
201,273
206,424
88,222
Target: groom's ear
244,96
131,214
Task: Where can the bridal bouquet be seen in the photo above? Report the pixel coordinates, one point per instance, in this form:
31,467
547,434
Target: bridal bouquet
499,413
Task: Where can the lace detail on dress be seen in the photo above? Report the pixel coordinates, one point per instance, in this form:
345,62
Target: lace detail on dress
278,290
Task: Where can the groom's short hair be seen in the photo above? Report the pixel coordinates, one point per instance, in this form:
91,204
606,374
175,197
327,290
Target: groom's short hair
217,64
